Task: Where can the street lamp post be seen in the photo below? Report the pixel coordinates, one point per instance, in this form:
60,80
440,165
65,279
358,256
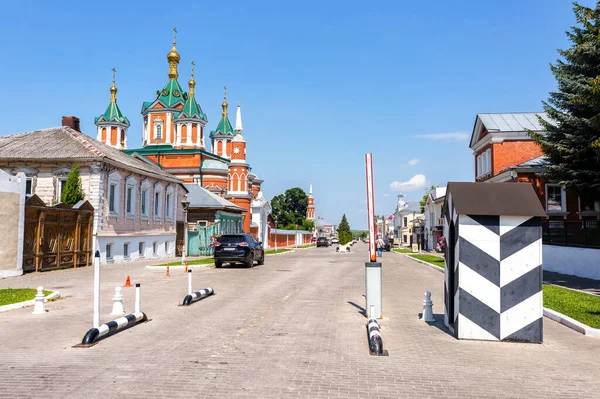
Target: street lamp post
185,204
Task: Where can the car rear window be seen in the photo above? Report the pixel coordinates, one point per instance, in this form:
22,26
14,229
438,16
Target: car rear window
231,239
322,239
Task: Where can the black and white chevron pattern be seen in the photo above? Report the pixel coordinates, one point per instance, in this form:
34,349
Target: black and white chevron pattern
498,271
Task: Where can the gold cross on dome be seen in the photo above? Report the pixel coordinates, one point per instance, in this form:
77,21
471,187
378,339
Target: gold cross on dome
193,65
174,34
225,92
114,71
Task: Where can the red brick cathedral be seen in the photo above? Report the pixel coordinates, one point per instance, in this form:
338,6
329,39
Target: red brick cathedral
174,138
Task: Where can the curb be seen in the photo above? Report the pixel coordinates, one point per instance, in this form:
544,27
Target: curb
177,267
571,323
24,304
549,313
430,265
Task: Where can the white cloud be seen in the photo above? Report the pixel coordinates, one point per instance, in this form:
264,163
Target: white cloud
413,162
415,183
445,136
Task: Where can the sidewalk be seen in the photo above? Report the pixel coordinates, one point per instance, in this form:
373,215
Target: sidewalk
576,283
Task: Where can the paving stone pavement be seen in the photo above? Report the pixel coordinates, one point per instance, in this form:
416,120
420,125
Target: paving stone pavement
289,329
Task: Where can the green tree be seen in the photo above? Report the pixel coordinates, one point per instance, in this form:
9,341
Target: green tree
72,193
424,201
343,230
289,209
573,129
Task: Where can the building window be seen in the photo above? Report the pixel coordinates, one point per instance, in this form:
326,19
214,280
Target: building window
484,163
28,186
141,249
431,219
108,251
168,206
60,187
112,198
129,199
144,201
555,198
126,250
405,221
157,205
404,239
158,129
166,247
154,248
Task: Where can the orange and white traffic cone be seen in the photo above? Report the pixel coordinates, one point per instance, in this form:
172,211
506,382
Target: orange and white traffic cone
127,282
168,274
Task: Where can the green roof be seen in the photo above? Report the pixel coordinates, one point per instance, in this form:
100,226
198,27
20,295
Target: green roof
224,128
191,109
170,95
112,114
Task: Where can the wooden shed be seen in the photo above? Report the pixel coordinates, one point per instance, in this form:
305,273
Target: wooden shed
493,273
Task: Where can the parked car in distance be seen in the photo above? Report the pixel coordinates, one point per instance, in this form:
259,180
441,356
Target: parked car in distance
387,245
313,240
238,248
322,242
334,240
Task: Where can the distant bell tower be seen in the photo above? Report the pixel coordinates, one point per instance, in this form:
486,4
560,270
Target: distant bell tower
310,212
112,125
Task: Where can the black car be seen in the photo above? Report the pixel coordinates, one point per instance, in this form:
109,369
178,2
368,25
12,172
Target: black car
238,248
322,242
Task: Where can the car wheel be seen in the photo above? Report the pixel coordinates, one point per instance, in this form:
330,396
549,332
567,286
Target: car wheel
218,264
250,262
262,259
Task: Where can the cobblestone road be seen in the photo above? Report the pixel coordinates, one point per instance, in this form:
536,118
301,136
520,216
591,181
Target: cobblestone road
290,328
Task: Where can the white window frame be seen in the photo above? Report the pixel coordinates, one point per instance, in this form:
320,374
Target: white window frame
158,123
114,178
169,206
155,248
145,191
141,249
157,209
563,199
131,184
126,250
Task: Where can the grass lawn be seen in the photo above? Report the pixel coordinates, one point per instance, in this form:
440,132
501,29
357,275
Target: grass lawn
581,307
436,260
308,246
403,251
272,251
15,295
204,261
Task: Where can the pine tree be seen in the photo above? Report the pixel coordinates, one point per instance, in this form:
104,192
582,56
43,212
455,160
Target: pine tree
573,131
344,233
72,193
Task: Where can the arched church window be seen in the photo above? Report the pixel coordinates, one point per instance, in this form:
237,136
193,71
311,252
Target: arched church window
159,132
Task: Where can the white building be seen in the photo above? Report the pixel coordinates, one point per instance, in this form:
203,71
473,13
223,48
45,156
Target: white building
260,214
136,205
434,221
404,214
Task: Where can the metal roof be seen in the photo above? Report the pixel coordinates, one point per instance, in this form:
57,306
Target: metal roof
214,164
202,198
535,162
513,122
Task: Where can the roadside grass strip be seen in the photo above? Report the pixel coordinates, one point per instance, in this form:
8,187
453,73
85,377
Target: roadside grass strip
9,296
580,306
204,261
403,251
434,260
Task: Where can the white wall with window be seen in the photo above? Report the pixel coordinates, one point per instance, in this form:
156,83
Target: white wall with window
145,199
114,193
484,163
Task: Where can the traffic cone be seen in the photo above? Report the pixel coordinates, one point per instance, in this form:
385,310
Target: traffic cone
168,274
127,282
186,267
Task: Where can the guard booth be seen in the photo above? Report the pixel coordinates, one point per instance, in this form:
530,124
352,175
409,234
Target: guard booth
493,273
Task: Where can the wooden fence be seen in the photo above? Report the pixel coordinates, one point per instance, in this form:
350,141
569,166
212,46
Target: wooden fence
57,236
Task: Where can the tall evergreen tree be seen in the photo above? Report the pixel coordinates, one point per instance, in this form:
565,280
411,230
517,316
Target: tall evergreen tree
573,131
72,193
344,233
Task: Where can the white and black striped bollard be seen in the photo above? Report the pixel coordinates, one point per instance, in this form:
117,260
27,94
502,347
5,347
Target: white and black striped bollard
118,324
189,299
375,341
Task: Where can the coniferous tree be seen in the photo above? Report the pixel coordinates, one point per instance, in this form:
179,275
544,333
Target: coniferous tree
572,141
72,193
344,233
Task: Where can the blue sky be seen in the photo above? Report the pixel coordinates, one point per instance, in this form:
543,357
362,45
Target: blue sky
321,83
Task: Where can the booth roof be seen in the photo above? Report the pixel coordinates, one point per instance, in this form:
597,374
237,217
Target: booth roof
509,199
200,197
